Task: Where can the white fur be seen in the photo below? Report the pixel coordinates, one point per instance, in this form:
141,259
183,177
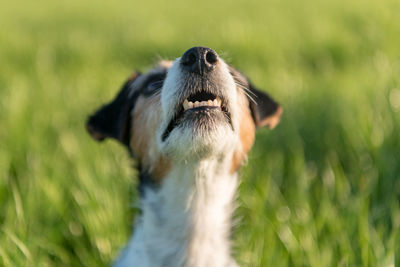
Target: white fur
183,141
187,220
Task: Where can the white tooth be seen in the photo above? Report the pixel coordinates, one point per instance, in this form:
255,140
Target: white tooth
196,104
190,104
204,103
215,103
185,104
219,101
210,103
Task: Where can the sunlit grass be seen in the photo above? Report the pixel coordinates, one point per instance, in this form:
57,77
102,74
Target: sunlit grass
322,189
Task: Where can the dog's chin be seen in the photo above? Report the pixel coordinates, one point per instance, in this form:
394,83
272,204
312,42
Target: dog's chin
204,121
201,132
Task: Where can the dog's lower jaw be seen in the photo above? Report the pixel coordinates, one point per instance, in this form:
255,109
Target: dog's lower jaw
187,221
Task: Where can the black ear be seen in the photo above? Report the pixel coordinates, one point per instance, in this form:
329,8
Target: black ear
113,119
265,111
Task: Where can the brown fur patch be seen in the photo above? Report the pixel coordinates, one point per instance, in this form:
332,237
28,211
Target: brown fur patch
247,131
165,64
272,120
146,118
95,135
133,76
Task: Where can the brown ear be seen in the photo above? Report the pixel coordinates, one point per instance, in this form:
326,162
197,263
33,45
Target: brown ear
265,111
113,119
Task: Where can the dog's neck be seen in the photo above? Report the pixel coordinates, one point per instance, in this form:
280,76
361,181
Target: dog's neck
187,220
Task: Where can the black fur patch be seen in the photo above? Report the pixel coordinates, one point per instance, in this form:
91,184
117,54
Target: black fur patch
113,120
145,181
153,84
263,107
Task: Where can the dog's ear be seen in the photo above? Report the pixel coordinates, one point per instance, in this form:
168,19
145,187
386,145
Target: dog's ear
113,119
265,110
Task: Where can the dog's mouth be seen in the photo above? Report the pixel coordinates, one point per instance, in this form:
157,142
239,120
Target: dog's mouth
201,100
198,104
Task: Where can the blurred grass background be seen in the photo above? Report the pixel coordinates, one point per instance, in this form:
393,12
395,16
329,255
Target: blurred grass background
322,189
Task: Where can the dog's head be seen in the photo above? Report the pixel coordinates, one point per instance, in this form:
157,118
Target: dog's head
193,107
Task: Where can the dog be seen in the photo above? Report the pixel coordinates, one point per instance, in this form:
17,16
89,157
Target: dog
190,124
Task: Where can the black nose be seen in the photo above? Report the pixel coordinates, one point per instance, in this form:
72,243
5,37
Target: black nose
199,60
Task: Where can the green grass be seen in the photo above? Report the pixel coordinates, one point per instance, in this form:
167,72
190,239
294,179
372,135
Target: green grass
322,189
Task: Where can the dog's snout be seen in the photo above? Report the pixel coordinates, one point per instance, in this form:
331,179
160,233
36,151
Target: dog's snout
199,60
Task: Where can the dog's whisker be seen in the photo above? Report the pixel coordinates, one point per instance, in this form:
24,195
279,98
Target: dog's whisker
247,92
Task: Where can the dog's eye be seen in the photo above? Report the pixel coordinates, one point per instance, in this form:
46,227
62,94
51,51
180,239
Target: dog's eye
153,84
153,87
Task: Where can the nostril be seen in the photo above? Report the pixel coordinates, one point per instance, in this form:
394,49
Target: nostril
189,59
211,57
199,60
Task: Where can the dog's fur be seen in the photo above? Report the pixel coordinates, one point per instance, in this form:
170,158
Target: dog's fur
187,160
